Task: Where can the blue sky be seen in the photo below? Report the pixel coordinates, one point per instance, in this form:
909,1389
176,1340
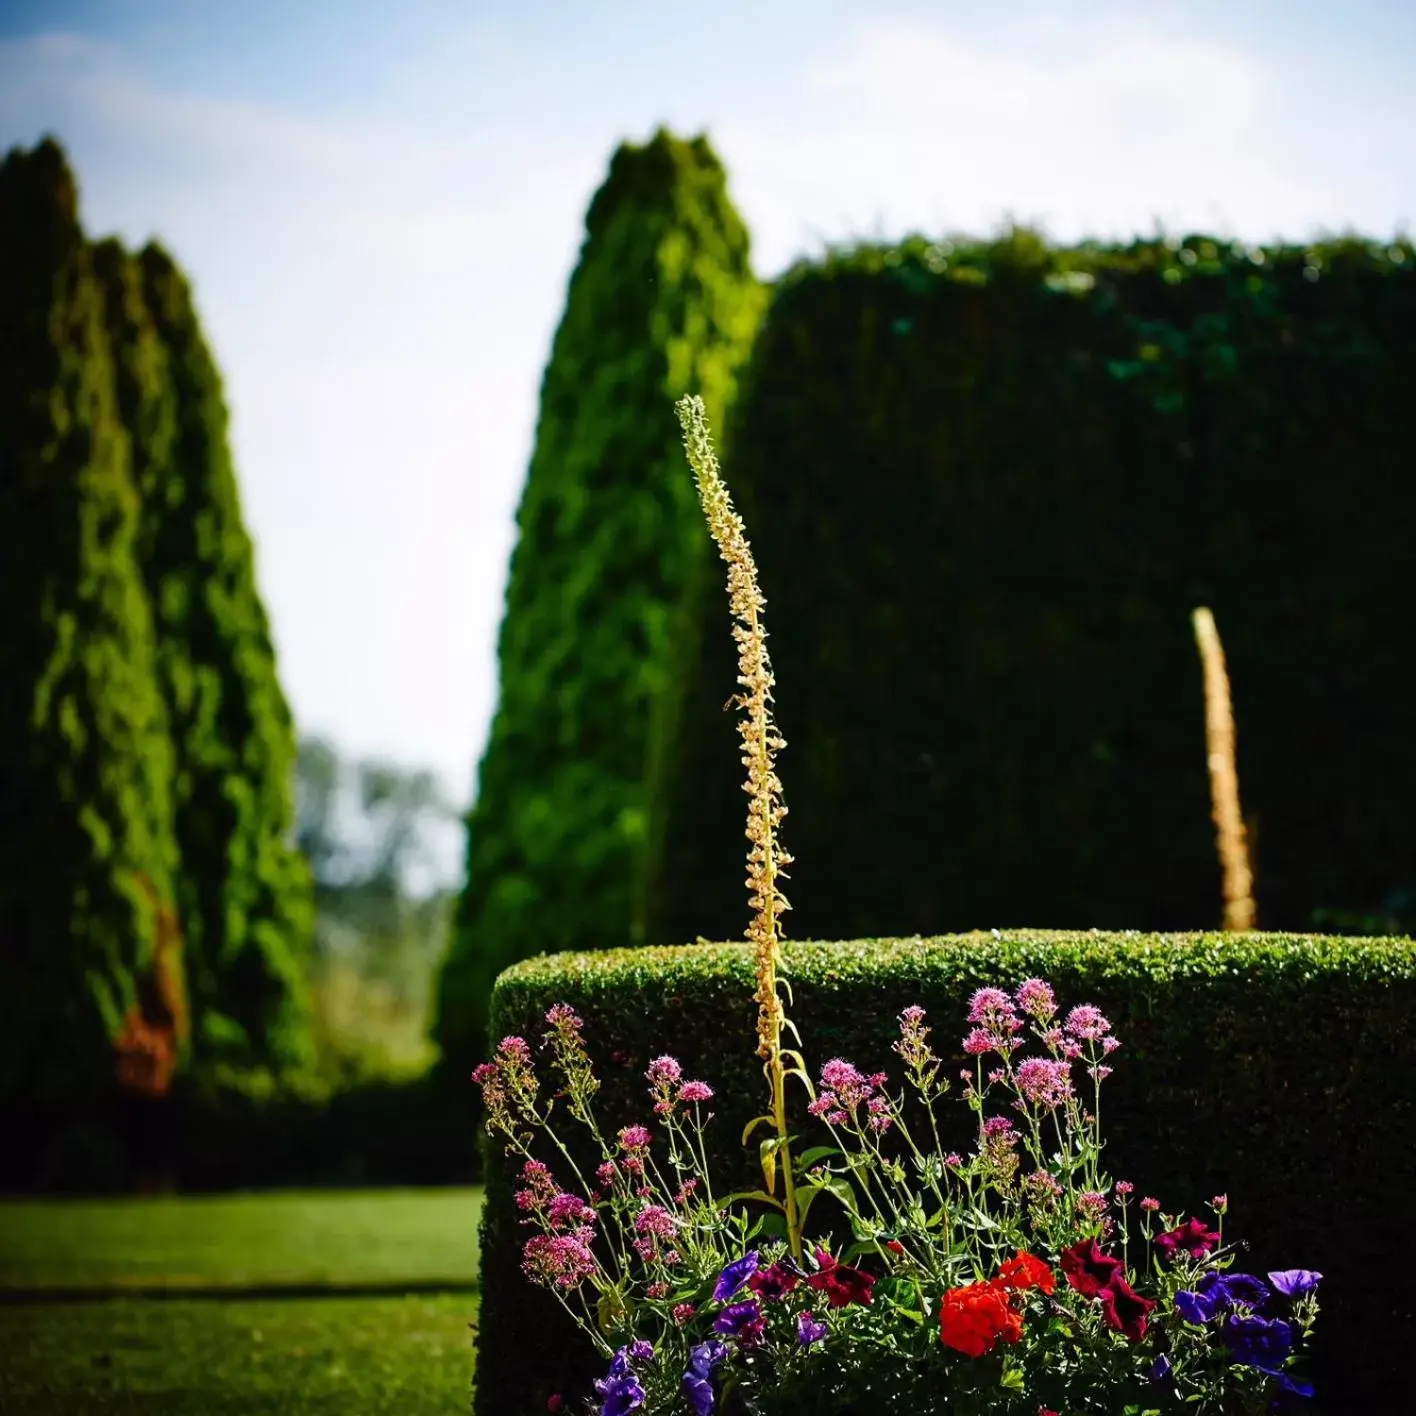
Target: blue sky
380,204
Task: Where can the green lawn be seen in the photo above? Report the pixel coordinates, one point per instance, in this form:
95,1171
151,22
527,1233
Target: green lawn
342,1239
374,1352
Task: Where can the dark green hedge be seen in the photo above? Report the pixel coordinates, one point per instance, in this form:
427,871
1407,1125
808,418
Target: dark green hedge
662,302
1279,1069
986,486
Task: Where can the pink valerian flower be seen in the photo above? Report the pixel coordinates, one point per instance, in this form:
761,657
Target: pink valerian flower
1220,1204
980,1042
663,1076
1099,1073
657,1290
664,1072
1110,1044
635,1138
1124,1187
851,1089
685,1191
880,1116
695,1092
567,1210
1045,1081
1036,999
568,1048
913,1046
540,1188
657,1221
820,1105
953,1160
1041,1187
559,1260
1150,1204
1000,1126
496,1101
990,1005
1087,1022
1091,1204
681,1313
606,1175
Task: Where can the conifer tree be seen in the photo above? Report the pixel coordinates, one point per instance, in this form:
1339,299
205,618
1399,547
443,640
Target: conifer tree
85,757
662,303
243,891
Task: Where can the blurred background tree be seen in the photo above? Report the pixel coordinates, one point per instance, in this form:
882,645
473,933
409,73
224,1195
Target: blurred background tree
85,756
382,841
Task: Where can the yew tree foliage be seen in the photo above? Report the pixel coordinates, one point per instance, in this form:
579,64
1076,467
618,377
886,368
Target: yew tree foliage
85,758
662,302
243,890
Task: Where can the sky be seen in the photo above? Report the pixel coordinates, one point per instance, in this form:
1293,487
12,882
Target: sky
379,207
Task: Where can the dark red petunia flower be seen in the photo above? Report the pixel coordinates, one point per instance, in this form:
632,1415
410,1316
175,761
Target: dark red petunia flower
1192,1237
772,1282
840,1284
1087,1269
1124,1309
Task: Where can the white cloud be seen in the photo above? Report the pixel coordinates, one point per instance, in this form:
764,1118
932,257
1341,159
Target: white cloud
1102,131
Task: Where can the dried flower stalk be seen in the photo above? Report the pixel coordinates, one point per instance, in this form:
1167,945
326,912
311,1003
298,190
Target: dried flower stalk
1231,836
766,860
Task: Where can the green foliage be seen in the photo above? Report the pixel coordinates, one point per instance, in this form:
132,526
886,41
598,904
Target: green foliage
243,891
986,484
1245,1063
85,759
662,302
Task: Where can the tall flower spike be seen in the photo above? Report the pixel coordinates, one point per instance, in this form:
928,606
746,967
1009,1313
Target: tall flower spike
760,739
1230,836
760,744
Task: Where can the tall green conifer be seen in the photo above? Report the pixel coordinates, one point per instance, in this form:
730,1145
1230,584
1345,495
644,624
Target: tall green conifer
662,303
243,890
85,758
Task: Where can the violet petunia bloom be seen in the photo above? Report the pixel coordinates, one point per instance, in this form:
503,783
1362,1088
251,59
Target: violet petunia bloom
1262,1343
1217,1293
743,1321
1294,1283
734,1276
1161,1370
698,1376
620,1390
809,1329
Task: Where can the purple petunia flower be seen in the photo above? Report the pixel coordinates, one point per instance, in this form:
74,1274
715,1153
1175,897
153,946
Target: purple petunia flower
1294,1283
1217,1293
734,1276
620,1390
743,1321
1262,1343
1161,1369
698,1376
809,1329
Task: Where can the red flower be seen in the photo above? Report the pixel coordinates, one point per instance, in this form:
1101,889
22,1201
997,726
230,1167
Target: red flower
772,1282
1024,1272
840,1285
1125,1310
1087,1269
973,1318
1192,1237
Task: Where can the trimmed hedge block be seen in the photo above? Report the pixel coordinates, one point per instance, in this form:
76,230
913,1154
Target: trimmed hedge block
1280,1069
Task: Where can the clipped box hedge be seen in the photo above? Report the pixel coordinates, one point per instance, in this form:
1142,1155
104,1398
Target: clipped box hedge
1280,1069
